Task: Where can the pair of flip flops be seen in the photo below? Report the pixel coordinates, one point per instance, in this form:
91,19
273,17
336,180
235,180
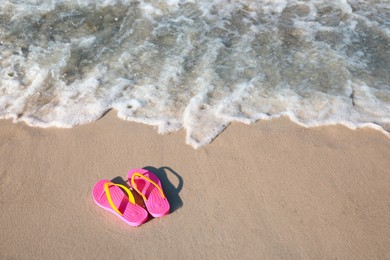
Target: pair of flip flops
119,200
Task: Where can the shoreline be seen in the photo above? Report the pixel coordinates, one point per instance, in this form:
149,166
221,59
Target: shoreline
271,190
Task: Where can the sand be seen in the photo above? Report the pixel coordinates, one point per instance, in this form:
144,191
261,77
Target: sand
271,190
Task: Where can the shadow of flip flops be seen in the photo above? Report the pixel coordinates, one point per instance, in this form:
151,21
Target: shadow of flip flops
170,190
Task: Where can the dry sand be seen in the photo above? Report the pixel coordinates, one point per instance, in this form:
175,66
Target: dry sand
271,190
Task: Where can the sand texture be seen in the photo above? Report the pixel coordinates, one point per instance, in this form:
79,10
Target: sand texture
271,190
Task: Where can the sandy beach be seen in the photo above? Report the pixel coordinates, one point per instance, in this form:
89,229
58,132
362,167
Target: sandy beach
271,190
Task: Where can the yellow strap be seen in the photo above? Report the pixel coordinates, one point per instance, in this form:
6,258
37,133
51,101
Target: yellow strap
129,194
149,180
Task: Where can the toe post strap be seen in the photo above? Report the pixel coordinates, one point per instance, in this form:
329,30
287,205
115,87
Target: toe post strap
134,185
108,195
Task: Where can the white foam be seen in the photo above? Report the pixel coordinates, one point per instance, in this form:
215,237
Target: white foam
197,65
149,11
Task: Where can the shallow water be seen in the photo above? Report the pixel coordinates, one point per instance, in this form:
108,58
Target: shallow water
197,65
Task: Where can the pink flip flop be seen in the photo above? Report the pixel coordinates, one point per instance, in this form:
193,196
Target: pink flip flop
148,185
111,197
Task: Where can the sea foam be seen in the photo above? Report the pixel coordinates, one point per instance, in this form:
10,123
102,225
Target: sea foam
197,65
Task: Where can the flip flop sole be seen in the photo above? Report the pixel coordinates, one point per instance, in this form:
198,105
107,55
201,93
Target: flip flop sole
133,214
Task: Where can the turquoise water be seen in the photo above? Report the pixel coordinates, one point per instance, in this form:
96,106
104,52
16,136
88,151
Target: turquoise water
197,65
